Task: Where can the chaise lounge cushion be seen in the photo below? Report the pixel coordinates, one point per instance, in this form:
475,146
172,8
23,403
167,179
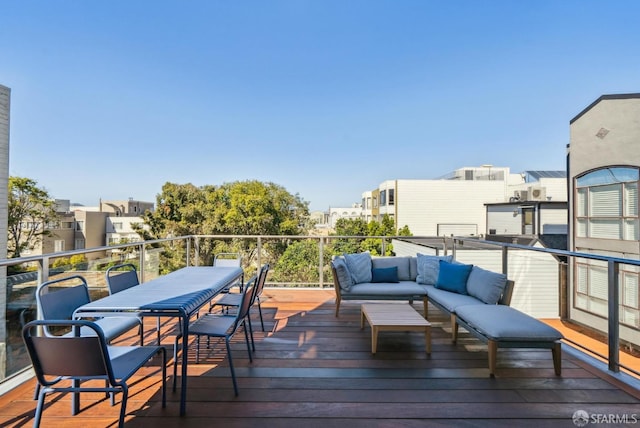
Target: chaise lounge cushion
448,300
359,266
506,324
429,267
486,285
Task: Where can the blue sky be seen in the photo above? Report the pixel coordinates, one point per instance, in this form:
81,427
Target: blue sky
111,99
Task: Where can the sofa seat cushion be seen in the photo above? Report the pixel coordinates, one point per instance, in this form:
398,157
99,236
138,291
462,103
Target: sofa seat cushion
402,288
449,300
506,324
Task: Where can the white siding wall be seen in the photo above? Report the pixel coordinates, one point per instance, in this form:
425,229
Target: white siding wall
553,220
424,204
556,188
502,219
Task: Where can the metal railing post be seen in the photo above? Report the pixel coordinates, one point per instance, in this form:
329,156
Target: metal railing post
141,259
505,261
613,270
188,258
320,261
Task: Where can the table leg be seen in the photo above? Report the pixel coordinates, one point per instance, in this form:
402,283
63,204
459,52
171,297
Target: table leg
427,338
374,339
185,355
361,319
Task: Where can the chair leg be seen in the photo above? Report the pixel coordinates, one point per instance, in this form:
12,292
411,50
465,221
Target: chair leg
39,408
233,373
164,377
36,392
260,311
253,343
123,405
246,339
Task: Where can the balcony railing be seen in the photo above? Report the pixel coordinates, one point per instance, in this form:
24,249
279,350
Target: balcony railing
513,259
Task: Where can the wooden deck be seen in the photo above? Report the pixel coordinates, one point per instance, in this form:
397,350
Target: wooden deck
312,369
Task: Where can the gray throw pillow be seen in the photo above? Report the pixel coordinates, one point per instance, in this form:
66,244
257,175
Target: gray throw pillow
360,266
342,273
486,285
429,267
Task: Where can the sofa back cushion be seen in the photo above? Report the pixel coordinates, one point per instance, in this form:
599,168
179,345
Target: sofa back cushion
453,277
388,274
342,273
486,285
428,268
402,263
359,266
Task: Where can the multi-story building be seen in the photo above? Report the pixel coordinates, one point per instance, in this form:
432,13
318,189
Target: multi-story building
604,174
352,212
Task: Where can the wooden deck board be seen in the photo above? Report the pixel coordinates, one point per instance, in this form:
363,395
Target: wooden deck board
312,369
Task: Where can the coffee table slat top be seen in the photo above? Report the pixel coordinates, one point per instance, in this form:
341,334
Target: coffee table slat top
394,317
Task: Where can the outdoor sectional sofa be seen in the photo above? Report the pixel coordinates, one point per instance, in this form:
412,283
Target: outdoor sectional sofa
473,297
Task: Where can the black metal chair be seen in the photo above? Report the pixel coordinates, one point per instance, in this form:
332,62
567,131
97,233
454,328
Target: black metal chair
225,325
72,357
233,299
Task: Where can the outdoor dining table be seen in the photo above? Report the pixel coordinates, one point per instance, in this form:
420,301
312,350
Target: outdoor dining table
178,294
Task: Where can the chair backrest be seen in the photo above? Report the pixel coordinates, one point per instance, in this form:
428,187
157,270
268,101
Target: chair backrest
60,304
227,260
262,278
120,277
245,304
56,356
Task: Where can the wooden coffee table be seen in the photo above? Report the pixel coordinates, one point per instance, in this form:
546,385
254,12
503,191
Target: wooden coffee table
394,317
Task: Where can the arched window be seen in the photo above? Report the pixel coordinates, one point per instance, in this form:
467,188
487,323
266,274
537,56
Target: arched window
606,204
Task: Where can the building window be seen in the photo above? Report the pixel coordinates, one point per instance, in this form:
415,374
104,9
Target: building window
392,200
591,288
375,202
117,226
383,198
79,226
79,244
58,245
606,204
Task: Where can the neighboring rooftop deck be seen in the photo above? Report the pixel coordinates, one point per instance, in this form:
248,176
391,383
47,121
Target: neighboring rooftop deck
314,370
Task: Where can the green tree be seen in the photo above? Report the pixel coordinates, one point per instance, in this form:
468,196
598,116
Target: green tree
30,211
349,227
299,262
238,208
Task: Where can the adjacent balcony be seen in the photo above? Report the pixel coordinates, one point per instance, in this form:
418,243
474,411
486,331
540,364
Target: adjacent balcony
313,369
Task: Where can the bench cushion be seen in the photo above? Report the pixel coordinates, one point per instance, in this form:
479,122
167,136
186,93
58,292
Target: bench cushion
506,324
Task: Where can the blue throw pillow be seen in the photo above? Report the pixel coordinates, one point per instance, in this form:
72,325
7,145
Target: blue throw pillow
389,274
360,266
453,277
486,285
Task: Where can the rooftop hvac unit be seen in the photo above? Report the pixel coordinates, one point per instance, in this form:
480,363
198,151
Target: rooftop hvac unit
537,193
524,195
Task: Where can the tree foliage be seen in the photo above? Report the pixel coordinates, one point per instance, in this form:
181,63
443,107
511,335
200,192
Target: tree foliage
30,211
299,262
238,208
358,227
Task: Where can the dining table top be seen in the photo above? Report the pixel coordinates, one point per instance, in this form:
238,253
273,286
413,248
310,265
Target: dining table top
184,289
